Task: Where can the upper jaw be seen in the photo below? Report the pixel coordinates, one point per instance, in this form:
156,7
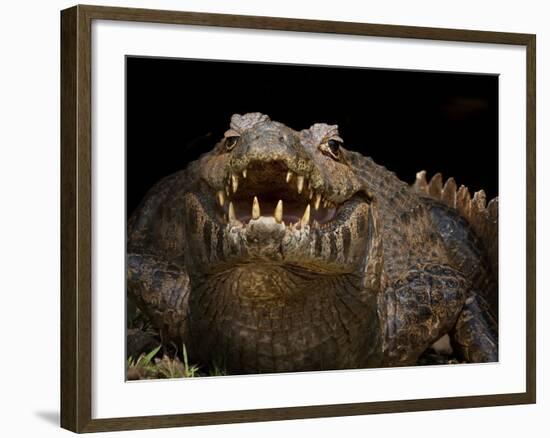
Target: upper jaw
289,196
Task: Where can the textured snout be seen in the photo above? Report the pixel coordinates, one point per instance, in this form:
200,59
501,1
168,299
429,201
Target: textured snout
267,143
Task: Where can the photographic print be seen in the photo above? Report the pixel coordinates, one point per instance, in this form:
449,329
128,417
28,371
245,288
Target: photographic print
292,218
268,218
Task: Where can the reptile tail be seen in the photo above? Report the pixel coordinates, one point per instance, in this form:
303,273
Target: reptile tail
482,217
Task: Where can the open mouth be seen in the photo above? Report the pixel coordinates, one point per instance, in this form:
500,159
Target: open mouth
271,190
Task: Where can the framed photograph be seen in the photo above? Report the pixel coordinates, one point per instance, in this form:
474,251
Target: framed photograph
269,218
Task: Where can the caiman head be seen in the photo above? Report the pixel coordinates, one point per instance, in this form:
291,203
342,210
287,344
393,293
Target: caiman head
282,251
267,194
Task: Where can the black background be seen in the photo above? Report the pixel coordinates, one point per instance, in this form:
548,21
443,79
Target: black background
407,121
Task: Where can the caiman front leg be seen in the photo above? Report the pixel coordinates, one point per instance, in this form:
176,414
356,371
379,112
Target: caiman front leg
161,290
421,306
475,334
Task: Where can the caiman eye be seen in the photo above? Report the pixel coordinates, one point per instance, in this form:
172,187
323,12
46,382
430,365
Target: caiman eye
331,148
334,146
231,142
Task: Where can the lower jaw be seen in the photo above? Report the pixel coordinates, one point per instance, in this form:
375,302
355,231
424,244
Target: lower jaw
340,245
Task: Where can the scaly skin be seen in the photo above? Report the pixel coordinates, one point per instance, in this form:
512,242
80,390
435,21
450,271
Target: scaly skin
352,269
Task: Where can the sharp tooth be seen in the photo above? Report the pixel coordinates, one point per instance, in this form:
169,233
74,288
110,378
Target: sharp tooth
311,194
279,212
325,203
227,190
221,198
288,176
300,183
255,208
305,217
231,212
234,182
244,173
317,201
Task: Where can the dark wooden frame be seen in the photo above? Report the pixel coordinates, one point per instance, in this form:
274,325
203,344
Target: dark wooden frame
76,300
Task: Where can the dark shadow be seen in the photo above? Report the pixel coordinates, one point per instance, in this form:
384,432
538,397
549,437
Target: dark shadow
51,417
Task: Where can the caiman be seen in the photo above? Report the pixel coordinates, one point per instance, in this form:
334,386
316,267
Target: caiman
282,250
